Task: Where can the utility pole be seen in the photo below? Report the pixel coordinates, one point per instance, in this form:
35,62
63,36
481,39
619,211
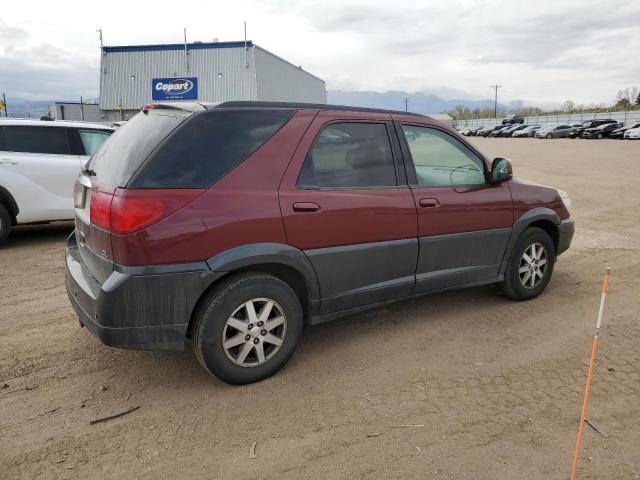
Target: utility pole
406,104
495,104
100,37
81,108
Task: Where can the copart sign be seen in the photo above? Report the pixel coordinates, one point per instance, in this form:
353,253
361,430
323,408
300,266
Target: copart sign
176,88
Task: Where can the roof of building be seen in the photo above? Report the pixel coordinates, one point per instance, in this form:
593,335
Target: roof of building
176,46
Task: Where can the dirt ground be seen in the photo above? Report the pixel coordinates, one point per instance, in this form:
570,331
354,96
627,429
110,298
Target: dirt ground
490,388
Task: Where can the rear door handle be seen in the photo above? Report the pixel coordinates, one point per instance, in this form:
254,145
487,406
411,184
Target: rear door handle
428,202
305,207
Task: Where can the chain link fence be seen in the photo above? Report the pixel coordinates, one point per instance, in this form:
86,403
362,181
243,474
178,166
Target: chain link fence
630,116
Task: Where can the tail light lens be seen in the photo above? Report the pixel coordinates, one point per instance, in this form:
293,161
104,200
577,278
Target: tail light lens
101,208
127,211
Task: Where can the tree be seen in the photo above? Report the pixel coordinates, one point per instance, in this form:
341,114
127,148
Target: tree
568,106
638,100
623,103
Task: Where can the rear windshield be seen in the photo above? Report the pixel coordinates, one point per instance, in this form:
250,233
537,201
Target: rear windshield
121,155
208,146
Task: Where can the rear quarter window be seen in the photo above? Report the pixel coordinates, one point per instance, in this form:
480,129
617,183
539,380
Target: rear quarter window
118,158
208,146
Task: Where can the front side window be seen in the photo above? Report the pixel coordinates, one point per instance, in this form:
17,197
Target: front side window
441,160
51,140
92,139
349,155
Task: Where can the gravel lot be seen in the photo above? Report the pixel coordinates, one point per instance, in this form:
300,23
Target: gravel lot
492,387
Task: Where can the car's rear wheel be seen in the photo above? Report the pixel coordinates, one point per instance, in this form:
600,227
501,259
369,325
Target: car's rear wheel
530,266
5,224
549,135
600,136
248,328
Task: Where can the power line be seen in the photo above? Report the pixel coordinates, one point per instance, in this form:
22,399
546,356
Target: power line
495,105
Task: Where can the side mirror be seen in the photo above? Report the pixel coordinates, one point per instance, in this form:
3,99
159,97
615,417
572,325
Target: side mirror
501,170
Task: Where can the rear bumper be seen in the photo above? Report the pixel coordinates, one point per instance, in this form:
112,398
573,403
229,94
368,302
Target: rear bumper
141,308
565,235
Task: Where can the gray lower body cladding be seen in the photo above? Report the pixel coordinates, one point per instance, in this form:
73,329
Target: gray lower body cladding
565,235
137,308
149,308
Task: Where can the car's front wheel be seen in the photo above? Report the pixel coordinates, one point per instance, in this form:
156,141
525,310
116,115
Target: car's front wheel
530,266
549,135
5,224
247,328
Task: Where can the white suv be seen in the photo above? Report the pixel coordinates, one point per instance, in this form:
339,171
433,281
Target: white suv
39,163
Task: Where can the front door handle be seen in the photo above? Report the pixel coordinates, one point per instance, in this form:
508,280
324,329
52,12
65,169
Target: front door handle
428,202
305,207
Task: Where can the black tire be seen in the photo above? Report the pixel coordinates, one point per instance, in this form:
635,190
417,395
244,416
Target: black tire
5,224
512,285
221,303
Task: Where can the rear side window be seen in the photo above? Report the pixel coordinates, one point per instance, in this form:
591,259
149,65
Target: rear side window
118,158
51,140
208,146
349,155
92,139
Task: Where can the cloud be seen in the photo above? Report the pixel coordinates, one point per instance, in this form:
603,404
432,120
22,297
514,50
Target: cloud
545,52
10,33
45,72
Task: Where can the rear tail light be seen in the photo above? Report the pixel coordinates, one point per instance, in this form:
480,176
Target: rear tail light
127,211
101,208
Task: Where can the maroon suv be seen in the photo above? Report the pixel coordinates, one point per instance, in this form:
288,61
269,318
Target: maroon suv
232,225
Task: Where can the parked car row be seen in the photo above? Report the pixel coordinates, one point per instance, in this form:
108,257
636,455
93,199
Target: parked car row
605,128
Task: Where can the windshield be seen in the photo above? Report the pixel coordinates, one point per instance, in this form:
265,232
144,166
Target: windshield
119,157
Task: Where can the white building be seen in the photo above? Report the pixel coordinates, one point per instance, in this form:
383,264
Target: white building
131,76
77,112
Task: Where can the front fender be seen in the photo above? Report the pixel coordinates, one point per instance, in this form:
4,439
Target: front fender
519,226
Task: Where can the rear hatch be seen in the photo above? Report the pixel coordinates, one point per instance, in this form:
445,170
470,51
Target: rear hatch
107,174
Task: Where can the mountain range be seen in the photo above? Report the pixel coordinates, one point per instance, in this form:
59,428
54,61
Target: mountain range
417,102
422,102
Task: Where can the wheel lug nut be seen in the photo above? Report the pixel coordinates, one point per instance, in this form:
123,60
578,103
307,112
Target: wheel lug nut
256,341
247,337
250,326
260,324
263,333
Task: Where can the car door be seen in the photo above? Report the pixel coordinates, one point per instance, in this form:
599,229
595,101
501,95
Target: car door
464,222
42,171
346,204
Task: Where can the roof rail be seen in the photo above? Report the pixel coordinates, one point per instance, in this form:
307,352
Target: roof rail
310,106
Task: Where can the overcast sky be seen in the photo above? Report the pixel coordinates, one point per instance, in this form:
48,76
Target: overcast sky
542,52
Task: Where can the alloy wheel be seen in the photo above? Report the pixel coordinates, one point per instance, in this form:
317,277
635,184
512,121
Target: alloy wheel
254,332
533,265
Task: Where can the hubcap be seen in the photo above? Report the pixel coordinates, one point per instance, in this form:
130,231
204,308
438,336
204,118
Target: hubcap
254,332
533,265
